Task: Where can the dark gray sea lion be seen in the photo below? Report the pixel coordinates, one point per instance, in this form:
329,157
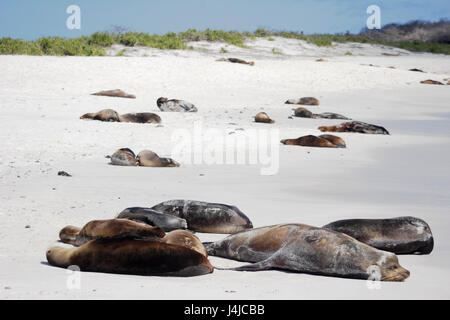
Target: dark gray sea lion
236,60
175,105
167,222
305,101
355,126
305,113
309,141
140,117
112,228
124,157
416,70
147,158
206,217
263,117
431,82
307,249
114,93
103,115
132,256
403,235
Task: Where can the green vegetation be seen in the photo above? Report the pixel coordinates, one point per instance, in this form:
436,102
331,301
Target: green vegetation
276,51
223,50
348,53
95,44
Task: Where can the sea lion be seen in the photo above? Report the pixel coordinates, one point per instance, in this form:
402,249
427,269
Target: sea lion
355,126
175,105
147,158
305,101
124,157
114,93
263,117
402,235
132,256
167,222
307,249
140,117
337,141
112,228
416,70
236,60
206,217
305,113
103,115
309,141
320,60
431,82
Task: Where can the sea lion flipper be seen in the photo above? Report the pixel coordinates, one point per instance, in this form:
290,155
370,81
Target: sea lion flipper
259,266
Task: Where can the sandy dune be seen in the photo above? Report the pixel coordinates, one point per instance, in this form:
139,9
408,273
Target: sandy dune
405,173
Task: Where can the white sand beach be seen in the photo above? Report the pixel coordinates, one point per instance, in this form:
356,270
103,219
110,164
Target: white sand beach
406,173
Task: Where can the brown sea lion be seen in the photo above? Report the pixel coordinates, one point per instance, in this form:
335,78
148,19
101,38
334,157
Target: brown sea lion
141,117
206,216
103,115
308,249
236,60
175,105
114,93
263,117
305,101
124,157
337,141
112,228
403,235
355,126
147,158
431,82
320,60
309,141
132,256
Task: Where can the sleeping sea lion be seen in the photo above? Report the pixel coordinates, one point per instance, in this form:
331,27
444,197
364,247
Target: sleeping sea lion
147,158
124,157
175,105
114,93
140,117
355,126
236,60
263,117
309,141
431,82
307,249
112,228
403,235
167,222
206,217
132,256
305,113
103,115
305,101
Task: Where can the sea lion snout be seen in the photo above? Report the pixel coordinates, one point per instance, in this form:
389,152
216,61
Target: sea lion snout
396,273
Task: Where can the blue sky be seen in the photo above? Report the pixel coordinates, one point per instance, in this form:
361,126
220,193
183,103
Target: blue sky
33,19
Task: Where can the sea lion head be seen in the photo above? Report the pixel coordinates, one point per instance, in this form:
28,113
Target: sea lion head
69,234
58,256
387,268
303,113
160,101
